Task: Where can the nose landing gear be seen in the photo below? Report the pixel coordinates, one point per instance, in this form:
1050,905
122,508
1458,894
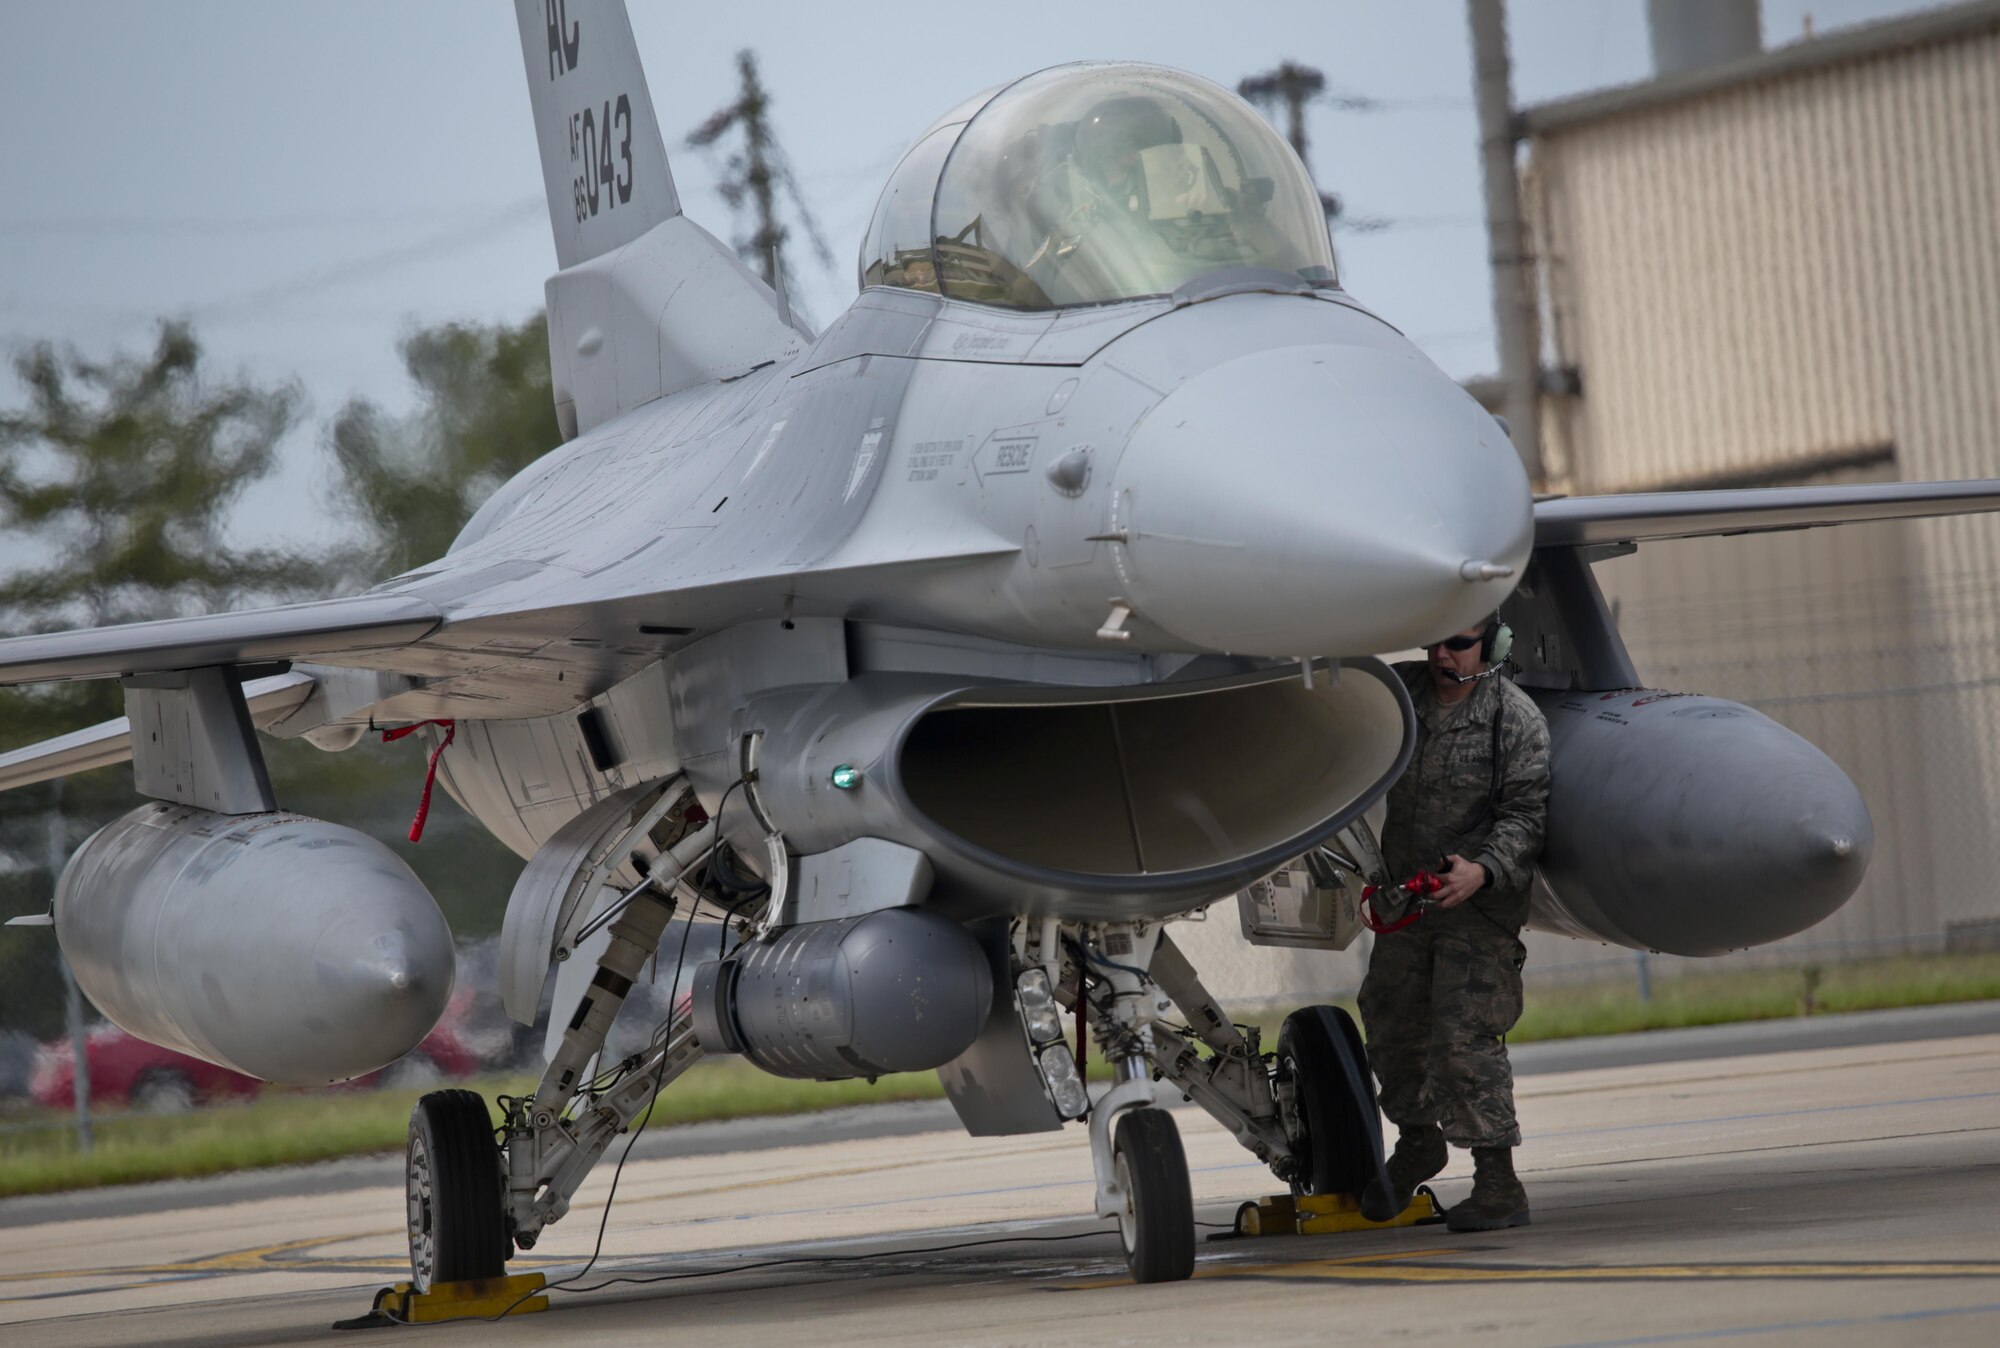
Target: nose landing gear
1156,1221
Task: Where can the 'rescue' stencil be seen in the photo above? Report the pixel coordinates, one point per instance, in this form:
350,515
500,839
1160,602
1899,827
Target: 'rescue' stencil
1006,454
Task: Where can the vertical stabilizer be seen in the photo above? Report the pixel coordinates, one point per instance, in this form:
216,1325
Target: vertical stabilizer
604,161
647,302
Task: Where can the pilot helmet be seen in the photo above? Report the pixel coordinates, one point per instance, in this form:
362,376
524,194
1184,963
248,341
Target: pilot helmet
1116,130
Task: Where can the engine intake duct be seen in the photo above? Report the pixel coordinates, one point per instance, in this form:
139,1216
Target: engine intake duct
1093,802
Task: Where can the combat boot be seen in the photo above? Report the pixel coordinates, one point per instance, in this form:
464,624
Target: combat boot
1420,1154
1497,1199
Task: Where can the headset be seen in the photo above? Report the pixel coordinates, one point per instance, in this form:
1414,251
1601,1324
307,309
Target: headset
1496,643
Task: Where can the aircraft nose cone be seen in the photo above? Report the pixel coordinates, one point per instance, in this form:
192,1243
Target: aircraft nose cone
1316,500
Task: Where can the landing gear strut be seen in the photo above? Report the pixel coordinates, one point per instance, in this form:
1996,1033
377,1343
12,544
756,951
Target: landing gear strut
1142,1171
1308,1110
473,1202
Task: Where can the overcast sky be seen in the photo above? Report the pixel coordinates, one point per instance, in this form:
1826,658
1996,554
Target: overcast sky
308,182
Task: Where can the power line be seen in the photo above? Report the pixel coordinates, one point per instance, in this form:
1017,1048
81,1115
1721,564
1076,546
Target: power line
32,226
360,268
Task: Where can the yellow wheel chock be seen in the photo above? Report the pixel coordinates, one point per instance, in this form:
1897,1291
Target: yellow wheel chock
485,1299
1325,1214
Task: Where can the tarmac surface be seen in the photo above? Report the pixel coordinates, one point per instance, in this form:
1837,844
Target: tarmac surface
1744,1190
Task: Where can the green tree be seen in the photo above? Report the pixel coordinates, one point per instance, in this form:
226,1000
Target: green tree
116,481
121,472
485,411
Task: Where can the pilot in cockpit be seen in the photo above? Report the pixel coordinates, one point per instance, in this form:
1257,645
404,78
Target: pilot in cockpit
1092,185
1160,192
1110,139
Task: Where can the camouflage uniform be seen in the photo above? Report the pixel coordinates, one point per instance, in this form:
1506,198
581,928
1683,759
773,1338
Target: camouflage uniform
1441,993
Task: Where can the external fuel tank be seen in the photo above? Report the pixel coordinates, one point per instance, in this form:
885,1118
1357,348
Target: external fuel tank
281,946
1691,825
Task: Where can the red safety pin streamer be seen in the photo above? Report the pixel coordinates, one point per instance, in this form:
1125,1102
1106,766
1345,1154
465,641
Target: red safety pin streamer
430,773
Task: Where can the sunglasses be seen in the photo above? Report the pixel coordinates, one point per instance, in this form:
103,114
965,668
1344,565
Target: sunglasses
1457,643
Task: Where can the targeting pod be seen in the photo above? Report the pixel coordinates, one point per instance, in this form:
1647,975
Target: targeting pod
902,990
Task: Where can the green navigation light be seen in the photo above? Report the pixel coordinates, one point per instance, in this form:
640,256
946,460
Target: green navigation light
847,776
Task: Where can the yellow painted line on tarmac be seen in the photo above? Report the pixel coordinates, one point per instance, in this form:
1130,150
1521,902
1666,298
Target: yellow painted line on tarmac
233,1261
1399,1268
1259,1270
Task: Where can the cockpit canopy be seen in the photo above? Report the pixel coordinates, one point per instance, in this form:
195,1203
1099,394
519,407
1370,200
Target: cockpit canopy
1091,183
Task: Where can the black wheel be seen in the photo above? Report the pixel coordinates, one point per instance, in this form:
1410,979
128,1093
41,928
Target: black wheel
1157,1223
458,1229
162,1090
1338,1146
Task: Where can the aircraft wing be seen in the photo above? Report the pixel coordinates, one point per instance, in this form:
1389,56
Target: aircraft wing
1641,517
329,631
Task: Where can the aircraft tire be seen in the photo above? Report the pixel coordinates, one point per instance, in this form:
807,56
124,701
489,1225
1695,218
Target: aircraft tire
1157,1224
1339,1148
457,1226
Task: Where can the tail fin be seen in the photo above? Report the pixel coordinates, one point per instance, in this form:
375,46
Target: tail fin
647,302
604,161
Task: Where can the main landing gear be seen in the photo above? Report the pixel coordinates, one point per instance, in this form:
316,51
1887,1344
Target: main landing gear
472,1201
458,1232
1334,1123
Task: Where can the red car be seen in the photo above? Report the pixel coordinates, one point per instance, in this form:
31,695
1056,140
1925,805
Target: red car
443,1054
126,1070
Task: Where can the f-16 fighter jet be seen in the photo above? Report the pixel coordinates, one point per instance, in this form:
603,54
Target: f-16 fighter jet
946,655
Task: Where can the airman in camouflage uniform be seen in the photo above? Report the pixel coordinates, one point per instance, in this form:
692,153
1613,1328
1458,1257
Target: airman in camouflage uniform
1442,993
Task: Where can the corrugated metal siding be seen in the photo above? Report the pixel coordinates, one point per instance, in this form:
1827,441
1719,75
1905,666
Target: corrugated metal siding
1758,277
1782,270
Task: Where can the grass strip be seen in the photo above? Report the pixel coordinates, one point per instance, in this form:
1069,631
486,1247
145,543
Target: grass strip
294,1127
291,1127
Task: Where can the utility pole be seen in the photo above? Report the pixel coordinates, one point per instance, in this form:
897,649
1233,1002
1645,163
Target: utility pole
1515,316
1292,86
754,175
58,854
